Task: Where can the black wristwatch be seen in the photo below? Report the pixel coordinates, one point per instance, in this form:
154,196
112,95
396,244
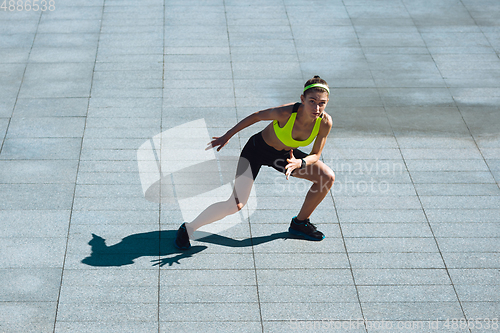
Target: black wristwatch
303,164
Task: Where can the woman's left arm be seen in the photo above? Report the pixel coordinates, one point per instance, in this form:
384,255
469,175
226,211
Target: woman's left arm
319,143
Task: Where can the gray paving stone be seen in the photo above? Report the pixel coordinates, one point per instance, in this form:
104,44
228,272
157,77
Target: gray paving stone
299,277
294,294
104,112
367,167
43,80
209,312
90,11
410,312
127,79
18,40
114,234
218,277
415,276
433,154
408,202
28,316
67,40
211,294
9,92
33,223
373,229
111,154
380,216
318,217
53,54
106,327
114,217
472,260
41,149
51,107
300,260
437,142
36,196
467,245
465,215
47,127
402,293
491,153
108,294
100,91
391,245
30,285
218,261
460,202
20,26
396,260
367,186
108,166
324,324
414,84
496,175
481,122
106,312
4,123
483,310
478,293
482,230
7,105
485,277
110,277
294,312
96,191
33,252
112,143
212,327
114,131
416,165
108,178
374,155
38,172
49,25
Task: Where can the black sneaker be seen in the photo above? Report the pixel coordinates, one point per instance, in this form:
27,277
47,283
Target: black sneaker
305,229
182,240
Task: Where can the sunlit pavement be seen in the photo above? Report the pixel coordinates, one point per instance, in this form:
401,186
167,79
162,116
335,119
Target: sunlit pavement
93,186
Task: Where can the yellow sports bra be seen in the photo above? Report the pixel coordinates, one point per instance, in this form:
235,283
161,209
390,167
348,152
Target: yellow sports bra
284,133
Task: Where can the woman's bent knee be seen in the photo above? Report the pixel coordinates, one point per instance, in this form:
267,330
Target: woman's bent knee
332,176
328,179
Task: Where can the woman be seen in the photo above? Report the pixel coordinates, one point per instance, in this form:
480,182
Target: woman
292,126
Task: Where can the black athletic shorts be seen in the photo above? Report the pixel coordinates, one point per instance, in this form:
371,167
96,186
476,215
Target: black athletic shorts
258,153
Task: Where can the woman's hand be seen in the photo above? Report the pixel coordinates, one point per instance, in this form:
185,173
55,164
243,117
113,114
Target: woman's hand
218,142
293,164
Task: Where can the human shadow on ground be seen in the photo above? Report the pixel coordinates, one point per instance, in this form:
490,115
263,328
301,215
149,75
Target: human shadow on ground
148,244
158,244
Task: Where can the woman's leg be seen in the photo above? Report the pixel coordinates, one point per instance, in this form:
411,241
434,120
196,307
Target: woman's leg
217,211
322,177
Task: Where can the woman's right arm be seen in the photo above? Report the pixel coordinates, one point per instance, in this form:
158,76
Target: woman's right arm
268,114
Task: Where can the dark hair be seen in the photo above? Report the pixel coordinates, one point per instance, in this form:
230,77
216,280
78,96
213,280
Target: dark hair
316,79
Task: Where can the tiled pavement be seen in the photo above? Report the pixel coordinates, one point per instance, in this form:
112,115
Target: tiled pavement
412,223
